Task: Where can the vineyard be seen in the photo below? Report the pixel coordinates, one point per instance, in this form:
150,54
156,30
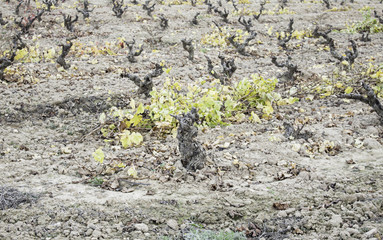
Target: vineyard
191,119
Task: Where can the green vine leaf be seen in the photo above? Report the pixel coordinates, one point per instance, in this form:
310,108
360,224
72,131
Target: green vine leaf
99,155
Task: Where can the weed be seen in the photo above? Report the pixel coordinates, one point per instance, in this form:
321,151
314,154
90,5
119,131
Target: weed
369,24
201,234
96,181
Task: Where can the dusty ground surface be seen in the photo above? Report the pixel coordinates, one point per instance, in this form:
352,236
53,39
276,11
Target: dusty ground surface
258,181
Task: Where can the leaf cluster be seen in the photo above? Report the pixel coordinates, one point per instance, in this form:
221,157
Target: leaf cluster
369,24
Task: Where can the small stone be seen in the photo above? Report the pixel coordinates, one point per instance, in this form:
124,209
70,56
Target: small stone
282,163
89,232
43,220
66,150
178,174
371,233
66,232
336,220
172,224
290,210
371,143
282,214
96,233
183,226
344,235
62,170
142,227
352,231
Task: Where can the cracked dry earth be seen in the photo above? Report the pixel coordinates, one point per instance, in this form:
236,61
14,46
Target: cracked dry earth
325,185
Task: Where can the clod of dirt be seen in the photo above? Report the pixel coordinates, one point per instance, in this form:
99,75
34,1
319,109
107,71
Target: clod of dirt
12,198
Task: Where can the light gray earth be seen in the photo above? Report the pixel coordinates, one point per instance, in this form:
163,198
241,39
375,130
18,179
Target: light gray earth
327,186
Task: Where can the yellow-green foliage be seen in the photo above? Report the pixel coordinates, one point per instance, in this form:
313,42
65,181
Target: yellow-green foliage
219,38
27,55
81,50
376,72
296,34
217,105
244,2
341,9
179,2
35,54
366,8
338,83
369,24
245,12
275,11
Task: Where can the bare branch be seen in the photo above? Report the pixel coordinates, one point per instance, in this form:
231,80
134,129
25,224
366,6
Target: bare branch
228,69
26,23
17,10
148,9
246,23
241,47
117,8
133,53
85,11
188,46
65,50
146,85
350,55
256,16
327,4
164,22
380,19
210,6
195,21
6,62
291,68
369,99
365,37
68,22
223,14
283,41
18,42
2,21
193,156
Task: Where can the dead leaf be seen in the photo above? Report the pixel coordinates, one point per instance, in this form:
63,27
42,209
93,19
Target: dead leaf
115,184
350,161
280,206
234,214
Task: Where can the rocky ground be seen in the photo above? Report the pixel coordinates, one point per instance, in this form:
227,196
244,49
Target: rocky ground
324,184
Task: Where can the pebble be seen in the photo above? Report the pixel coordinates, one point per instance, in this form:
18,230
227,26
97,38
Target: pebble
66,232
282,214
142,227
89,232
352,231
290,210
371,233
96,233
344,235
371,143
336,220
172,224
